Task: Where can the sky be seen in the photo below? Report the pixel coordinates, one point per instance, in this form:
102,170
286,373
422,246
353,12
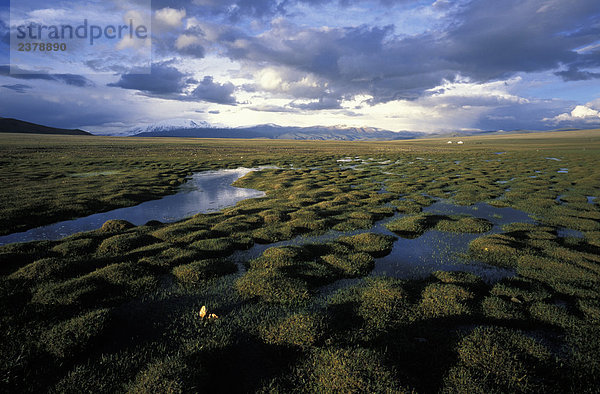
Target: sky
400,65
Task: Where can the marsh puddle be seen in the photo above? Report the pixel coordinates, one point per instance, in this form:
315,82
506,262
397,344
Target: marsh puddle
564,232
204,192
433,251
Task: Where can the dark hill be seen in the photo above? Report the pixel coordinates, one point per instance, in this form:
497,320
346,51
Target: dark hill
8,125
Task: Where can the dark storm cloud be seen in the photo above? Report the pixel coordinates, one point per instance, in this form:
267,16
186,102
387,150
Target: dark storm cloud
195,50
322,103
73,79
486,40
163,79
498,38
19,87
519,116
574,74
69,79
167,82
70,112
235,10
214,92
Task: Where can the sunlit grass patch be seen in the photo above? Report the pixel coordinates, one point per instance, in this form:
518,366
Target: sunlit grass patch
521,289
299,330
414,226
467,224
214,247
278,257
273,233
171,256
123,243
181,233
201,270
503,309
237,224
105,285
116,226
351,224
270,285
374,244
54,268
383,303
497,249
351,265
407,206
274,216
76,247
562,276
458,277
443,300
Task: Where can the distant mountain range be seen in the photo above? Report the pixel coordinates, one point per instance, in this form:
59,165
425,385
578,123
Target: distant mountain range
186,128
8,125
192,129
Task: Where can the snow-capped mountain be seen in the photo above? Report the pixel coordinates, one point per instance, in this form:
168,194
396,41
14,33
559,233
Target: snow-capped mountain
271,131
170,126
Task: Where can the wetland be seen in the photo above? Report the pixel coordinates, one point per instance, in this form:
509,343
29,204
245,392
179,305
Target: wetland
406,266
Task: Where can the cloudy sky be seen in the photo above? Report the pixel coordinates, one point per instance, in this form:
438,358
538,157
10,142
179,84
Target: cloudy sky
394,64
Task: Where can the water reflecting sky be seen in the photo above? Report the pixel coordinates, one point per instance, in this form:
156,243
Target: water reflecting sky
205,192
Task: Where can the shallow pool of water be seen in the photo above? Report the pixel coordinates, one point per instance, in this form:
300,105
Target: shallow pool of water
419,257
564,232
204,192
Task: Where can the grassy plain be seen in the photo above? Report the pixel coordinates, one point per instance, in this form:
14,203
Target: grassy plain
117,309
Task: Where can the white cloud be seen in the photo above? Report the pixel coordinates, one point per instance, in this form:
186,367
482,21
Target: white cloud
290,82
478,93
170,17
580,114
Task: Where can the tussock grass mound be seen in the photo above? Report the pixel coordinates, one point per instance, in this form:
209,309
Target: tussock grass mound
494,359
348,370
116,226
414,226
297,330
74,336
201,270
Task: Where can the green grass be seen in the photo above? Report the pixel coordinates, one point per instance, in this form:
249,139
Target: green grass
116,309
297,330
74,336
495,359
374,244
414,226
348,370
201,270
